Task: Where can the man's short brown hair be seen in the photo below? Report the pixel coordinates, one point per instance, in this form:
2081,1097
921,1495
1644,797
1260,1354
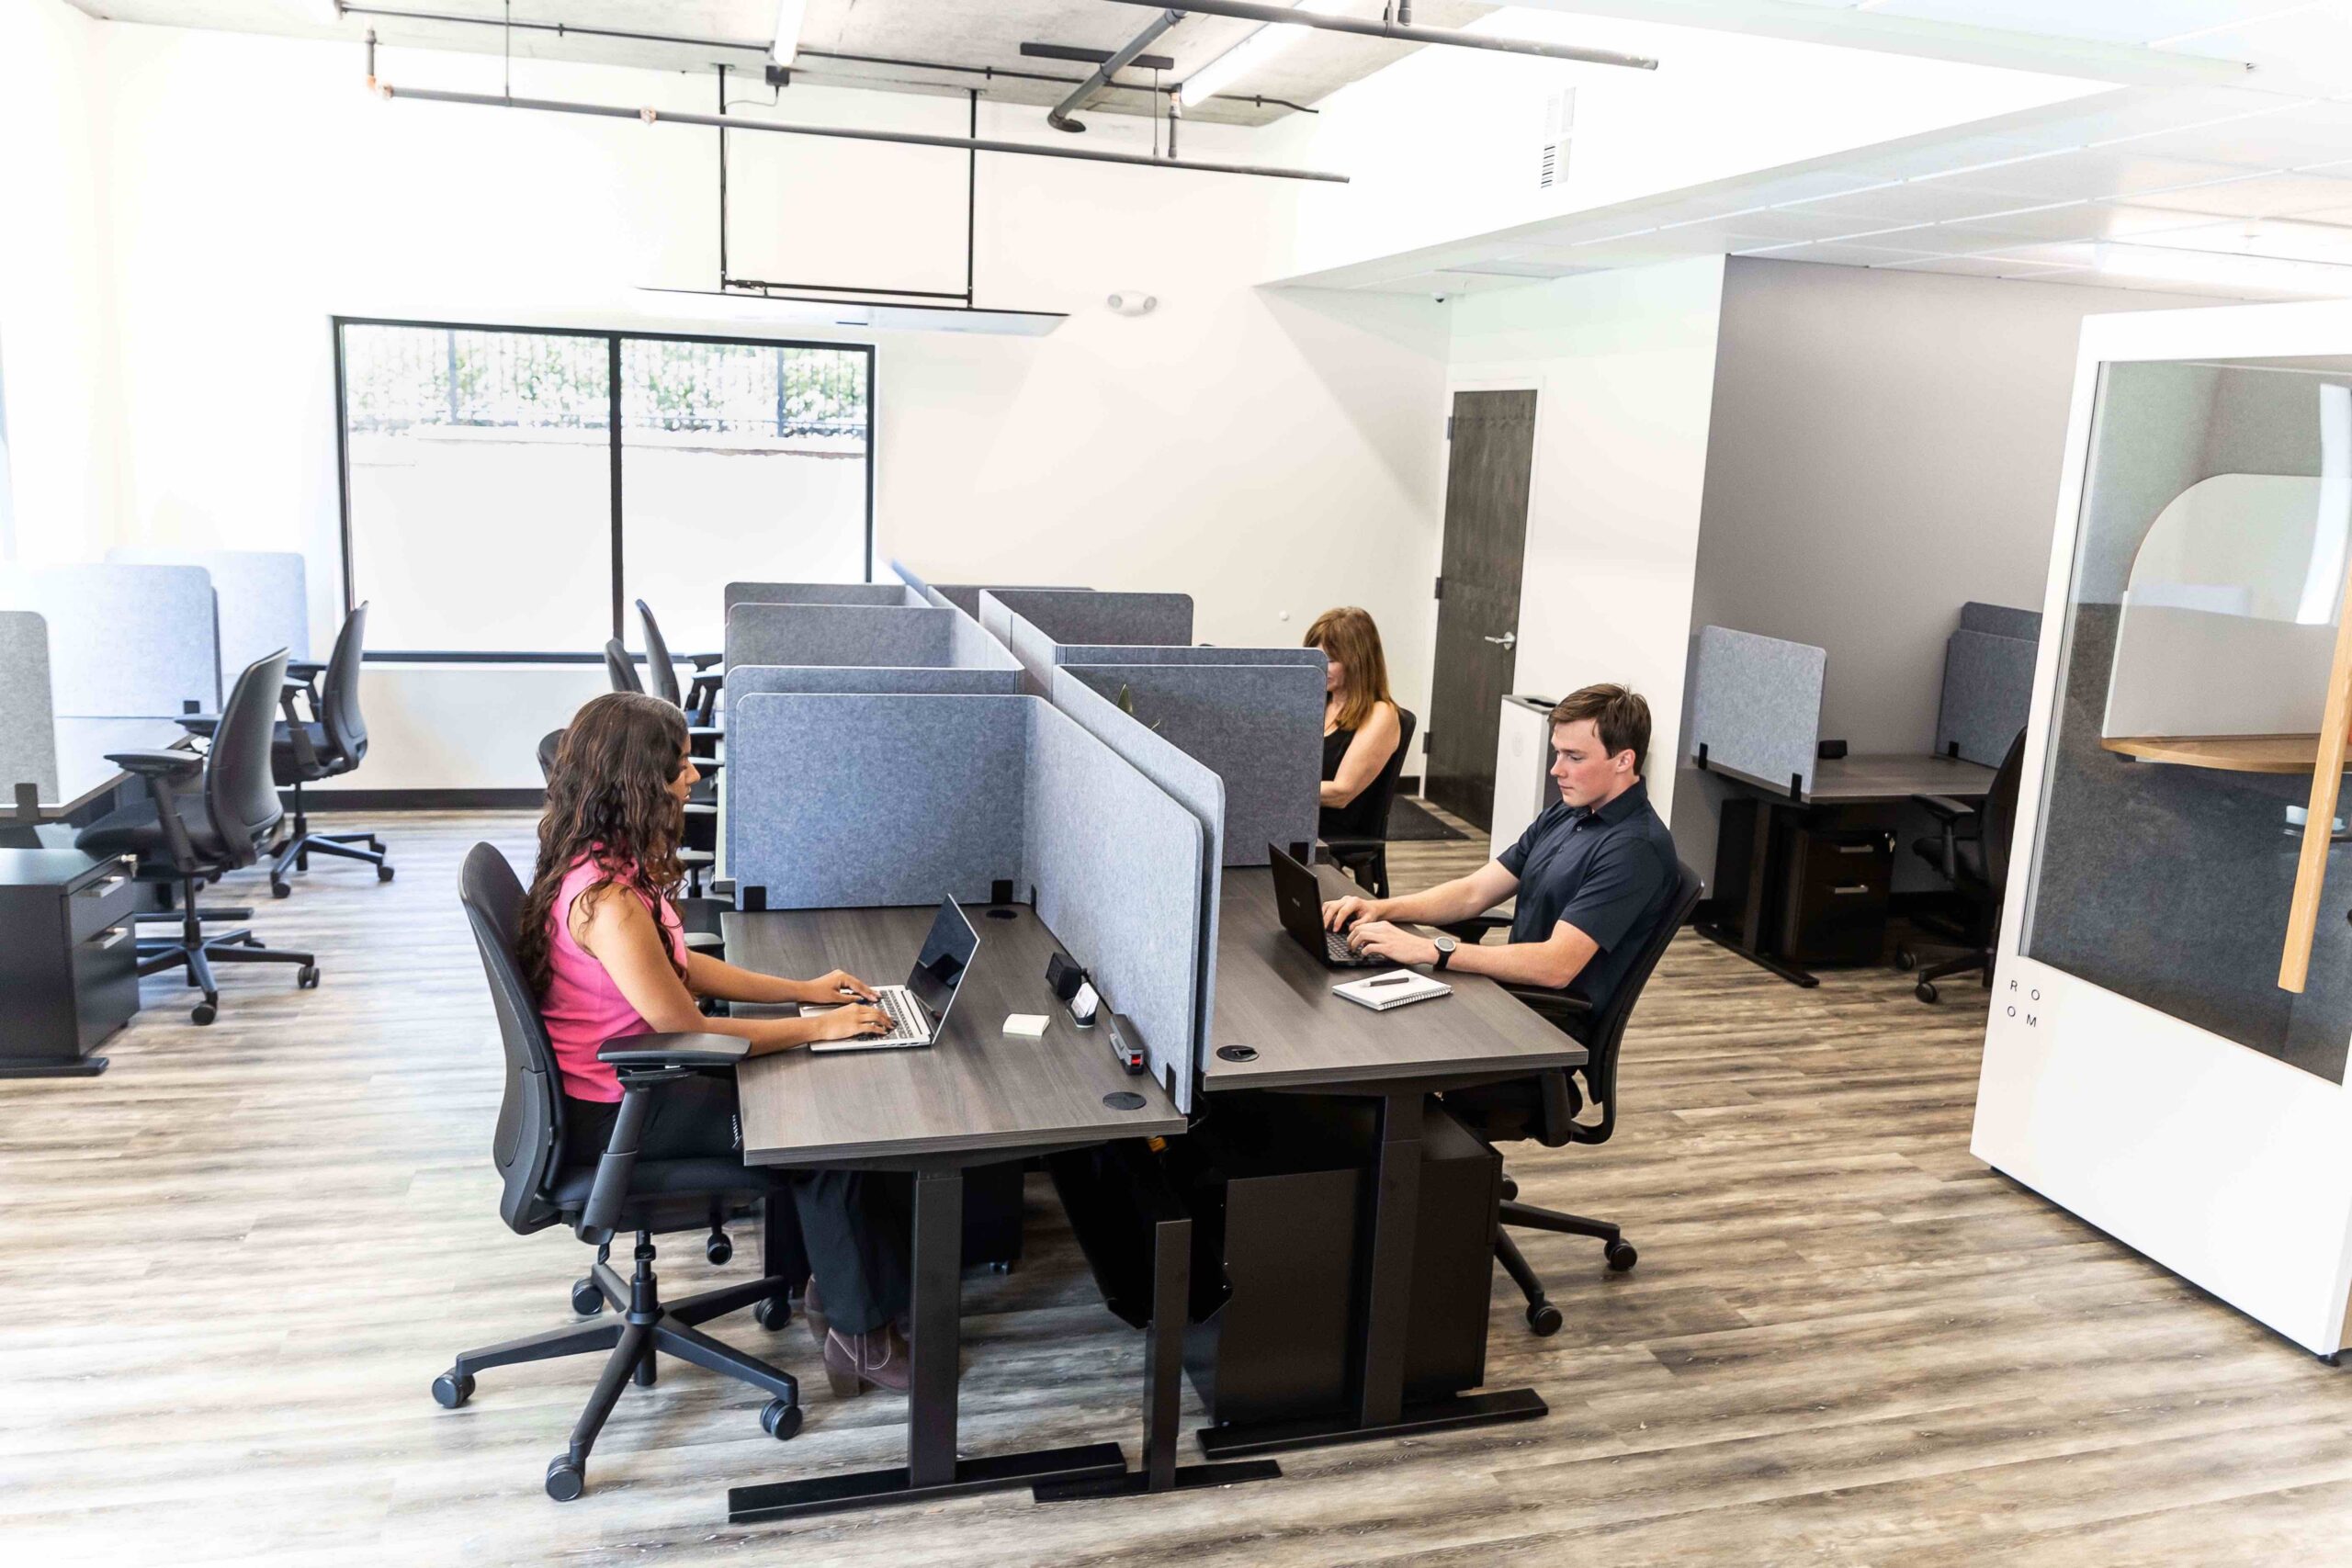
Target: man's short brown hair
1618,713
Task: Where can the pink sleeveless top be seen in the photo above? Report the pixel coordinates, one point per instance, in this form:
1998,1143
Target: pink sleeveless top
582,1008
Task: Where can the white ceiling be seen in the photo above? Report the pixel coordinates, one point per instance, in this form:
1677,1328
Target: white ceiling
948,32
2241,191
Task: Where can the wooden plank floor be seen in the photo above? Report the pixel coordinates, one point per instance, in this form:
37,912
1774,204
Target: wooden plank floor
230,1266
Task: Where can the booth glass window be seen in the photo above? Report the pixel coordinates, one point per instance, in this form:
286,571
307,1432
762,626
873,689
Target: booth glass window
2200,628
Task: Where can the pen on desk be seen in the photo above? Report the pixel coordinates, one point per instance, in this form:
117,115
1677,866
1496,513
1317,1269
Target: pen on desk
1390,979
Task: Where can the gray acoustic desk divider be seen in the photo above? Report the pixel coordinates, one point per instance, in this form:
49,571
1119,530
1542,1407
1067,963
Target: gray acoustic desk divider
862,801
1194,653
965,596
1989,682
887,595
1756,706
1156,620
265,599
1258,727
867,635
124,641
2001,620
27,724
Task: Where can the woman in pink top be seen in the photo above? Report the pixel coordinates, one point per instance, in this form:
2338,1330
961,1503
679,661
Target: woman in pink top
603,947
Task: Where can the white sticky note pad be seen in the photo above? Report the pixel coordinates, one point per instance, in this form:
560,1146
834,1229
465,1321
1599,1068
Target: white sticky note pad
1029,1025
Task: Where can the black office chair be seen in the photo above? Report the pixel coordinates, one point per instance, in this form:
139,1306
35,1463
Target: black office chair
329,742
194,838
620,668
699,914
1366,860
618,1193
701,702
1972,850
1545,1108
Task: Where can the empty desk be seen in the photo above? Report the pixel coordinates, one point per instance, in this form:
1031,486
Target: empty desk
75,775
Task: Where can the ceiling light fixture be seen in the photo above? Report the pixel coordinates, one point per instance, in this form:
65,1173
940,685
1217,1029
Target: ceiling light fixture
1249,54
789,14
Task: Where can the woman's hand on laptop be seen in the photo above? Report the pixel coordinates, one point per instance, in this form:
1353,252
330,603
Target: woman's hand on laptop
831,987
851,1021
1341,913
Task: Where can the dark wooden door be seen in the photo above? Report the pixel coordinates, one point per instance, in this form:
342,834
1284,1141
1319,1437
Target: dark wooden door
1478,613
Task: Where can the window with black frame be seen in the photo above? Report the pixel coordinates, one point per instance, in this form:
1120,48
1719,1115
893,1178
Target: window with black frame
489,511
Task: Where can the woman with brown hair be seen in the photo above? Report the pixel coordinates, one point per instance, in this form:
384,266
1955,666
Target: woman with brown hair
1361,729
605,951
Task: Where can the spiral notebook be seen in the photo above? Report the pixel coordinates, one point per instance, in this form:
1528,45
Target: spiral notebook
1398,987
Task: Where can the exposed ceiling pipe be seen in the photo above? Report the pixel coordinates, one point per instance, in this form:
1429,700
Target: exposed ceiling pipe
1059,116
903,138
1394,32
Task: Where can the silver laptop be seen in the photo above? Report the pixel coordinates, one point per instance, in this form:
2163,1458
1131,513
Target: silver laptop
919,1008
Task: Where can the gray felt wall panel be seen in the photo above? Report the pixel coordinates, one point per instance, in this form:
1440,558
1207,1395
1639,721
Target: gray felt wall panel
1118,867
965,596
27,725
1127,620
837,634
1756,704
1999,620
1186,653
265,601
855,801
1987,692
749,680
124,641
1258,727
970,648
1034,651
886,595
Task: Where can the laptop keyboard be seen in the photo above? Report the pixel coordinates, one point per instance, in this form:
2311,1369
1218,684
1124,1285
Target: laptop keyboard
895,1001
1335,948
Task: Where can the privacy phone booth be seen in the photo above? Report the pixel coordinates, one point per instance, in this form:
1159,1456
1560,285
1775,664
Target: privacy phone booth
2173,1007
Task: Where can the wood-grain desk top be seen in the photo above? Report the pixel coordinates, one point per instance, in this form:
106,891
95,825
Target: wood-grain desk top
978,1089
83,772
1877,777
1275,997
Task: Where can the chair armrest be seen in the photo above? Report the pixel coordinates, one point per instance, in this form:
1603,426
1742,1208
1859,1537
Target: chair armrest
657,1051
157,764
305,671
1475,928
704,660
201,724
1944,807
1557,1008
700,808
705,732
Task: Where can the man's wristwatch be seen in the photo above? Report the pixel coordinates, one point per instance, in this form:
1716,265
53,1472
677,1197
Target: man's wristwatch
1445,946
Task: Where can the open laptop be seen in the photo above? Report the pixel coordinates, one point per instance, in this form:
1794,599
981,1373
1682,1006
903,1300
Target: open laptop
919,1008
1299,898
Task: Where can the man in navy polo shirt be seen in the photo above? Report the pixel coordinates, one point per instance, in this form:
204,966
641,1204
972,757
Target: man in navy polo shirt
1594,874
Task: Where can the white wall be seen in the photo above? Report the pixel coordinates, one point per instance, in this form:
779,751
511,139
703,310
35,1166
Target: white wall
1623,363
56,341
1885,447
1269,454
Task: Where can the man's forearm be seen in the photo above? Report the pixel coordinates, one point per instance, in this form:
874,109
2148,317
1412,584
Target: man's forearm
1448,901
1520,963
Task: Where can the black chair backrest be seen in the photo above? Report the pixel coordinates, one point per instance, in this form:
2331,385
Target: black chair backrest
619,669
549,744
240,790
339,690
530,1112
1607,1030
1383,786
663,674
2000,815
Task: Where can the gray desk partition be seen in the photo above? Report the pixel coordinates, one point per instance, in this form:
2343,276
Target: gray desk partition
1192,653
1988,684
28,725
1755,705
887,595
124,641
750,679
865,635
952,793
265,601
2001,620
1258,727
1128,619
965,596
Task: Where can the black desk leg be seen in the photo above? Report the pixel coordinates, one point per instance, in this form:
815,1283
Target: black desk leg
1163,1390
931,1470
1749,940
1380,1408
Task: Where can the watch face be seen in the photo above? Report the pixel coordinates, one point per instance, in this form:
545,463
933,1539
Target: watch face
1444,943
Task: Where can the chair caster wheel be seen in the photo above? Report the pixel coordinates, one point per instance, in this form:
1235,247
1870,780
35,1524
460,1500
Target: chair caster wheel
1510,1188
1001,1266
771,1314
1621,1256
383,874
1544,1319
306,978
1905,959
203,1013
565,1481
780,1420
717,1249
281,890
1925,991
586,1299
450,1390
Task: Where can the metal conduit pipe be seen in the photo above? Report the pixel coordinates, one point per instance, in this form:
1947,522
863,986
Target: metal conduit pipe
1059,116
903,138
1250,11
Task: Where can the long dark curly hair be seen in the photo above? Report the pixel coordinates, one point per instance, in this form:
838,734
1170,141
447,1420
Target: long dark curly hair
609,795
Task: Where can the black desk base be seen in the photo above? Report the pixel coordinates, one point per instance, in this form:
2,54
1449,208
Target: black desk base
1138,1482
1731,941
1413,1421
41,1067
824,1494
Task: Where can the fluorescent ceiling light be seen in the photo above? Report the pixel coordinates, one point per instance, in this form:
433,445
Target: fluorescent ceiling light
1250,53
789,14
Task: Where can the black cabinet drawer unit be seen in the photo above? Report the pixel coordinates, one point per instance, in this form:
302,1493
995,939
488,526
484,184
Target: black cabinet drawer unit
1838,889
69,959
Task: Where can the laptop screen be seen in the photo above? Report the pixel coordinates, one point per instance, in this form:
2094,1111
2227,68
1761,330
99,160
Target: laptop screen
946,954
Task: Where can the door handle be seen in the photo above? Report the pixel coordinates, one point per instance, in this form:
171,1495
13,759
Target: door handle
1506,640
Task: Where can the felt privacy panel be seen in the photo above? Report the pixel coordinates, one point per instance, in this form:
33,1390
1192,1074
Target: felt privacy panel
886,595
865,635
28,725
1756,705
746,680
965,596
1188,653
1034,651
1129,619
1258,727
1987,691
124,641
1999,620
265,601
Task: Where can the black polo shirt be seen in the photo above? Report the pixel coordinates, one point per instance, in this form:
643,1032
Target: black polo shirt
1609,873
